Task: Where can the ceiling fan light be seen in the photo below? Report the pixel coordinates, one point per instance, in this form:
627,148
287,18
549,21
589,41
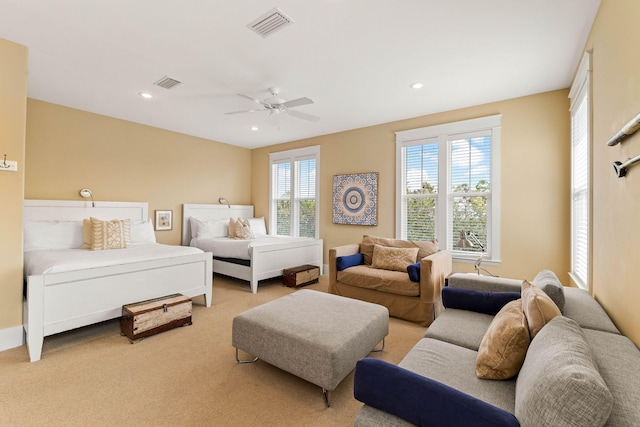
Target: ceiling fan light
275,106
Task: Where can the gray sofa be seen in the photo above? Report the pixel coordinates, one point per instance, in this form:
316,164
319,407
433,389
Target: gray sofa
553,388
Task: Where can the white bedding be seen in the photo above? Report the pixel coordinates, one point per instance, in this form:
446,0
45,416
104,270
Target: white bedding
43,261
241,249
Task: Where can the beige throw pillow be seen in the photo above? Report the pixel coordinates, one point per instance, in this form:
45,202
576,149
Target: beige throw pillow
537,307
87,233
396,259
425,247
504,345
115,234
232,228
243,230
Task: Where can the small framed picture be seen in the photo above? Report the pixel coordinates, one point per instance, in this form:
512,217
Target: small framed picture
164,220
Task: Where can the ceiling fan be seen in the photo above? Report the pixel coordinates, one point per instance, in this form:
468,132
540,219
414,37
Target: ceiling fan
275,105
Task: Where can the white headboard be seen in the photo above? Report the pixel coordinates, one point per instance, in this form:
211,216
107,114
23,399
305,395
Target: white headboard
205,212
74,210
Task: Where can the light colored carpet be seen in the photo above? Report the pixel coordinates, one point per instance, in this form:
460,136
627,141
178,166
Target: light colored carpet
187,376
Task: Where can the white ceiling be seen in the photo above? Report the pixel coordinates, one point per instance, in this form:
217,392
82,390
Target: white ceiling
354,58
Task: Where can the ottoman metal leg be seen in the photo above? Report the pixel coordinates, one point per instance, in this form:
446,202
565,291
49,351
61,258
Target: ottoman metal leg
376,350
325,394
255,359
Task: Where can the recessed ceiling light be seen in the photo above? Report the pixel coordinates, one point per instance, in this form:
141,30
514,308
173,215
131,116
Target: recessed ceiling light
417,85
254,128
145,95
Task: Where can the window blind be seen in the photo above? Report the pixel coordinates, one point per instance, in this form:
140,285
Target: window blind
447,183
421,190
470,188
281,197
294,192
305,199
580,190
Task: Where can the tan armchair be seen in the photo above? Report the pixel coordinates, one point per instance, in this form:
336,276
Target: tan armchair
418,302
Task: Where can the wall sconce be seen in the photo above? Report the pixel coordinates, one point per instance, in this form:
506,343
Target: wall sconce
86,193
628,129
224,201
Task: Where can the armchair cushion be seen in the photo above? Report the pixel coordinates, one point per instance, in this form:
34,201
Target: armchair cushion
421,400
478,301
425,247
347,261
395,259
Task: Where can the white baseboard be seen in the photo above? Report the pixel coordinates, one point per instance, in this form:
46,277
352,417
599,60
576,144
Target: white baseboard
11,337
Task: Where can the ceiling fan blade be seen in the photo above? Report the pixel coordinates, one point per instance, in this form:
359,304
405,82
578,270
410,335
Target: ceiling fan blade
246,111
304,116
249,97
298,102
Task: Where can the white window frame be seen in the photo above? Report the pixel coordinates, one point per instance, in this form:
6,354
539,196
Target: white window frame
581,88
444,134
293,156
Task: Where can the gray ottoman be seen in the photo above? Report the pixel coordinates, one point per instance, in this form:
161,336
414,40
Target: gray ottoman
316,336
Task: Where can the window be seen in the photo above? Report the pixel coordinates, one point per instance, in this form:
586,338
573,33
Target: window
447,183
580,180
294,192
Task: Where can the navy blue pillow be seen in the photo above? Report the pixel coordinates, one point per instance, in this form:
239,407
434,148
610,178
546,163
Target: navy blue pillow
414,272
478,301
347,261
421,400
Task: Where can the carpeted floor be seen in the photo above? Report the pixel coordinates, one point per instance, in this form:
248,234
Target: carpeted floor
187,376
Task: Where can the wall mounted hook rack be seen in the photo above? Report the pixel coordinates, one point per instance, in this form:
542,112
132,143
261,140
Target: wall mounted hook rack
621,168
627,130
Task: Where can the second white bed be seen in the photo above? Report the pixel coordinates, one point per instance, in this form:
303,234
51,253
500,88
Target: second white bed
251,260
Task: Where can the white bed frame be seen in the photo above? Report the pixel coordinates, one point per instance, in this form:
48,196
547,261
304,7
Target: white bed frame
58,302
266,261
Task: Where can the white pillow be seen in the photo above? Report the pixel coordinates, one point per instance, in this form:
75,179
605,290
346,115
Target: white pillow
258,226
193,227
209,228
142,232
52,235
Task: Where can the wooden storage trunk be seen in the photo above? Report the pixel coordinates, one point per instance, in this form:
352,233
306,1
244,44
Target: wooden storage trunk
300,276
146,318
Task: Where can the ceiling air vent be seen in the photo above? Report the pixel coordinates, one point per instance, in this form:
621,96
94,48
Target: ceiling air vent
167,82
270,22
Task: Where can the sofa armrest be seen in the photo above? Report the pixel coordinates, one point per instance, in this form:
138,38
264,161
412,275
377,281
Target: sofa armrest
336,252
433,271
421,400
484,283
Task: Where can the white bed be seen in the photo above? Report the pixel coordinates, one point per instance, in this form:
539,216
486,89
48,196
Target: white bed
59,298
267,257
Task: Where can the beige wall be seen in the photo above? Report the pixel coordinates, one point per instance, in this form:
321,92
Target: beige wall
13,99
534,162
616,201
69,149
